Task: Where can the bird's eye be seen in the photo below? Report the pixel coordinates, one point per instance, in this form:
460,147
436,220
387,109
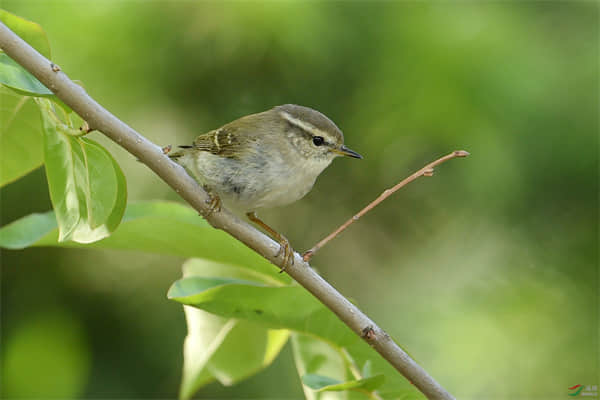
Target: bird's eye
318,140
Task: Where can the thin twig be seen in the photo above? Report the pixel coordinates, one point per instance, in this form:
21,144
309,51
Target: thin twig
425,171
175,176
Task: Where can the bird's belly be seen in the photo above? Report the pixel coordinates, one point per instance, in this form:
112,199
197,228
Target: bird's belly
255,183
285,192
269,188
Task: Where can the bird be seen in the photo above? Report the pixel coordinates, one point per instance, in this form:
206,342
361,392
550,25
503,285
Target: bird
264,160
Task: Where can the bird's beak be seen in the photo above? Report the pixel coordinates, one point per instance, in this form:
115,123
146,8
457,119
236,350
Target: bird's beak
344,151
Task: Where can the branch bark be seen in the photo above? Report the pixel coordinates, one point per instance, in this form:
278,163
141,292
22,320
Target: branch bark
175,176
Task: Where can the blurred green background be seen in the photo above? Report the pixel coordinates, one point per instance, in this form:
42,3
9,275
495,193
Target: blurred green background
486,273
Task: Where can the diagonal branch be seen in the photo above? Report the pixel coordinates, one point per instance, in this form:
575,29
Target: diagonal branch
150,154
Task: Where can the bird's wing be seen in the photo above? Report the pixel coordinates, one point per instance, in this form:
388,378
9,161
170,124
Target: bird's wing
226,142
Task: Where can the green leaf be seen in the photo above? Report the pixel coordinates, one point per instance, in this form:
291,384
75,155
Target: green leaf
154,227
366,371
115,216
11,73
102,186
19,79
290,307
228,350
285,307
29,31
27,230
317,382
314,356
21,139
324,383
87,187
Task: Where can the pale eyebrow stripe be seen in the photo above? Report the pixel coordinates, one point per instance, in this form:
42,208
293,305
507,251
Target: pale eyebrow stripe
305,126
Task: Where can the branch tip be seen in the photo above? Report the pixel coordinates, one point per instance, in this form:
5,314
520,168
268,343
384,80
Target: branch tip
425,171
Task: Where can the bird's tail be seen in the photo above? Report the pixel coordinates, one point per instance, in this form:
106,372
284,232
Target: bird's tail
175,155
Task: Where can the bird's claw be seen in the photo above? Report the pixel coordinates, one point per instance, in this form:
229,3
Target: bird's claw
214,204
213,201
288,253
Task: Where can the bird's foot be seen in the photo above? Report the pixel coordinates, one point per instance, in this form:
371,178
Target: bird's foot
213,201
288,253
284,245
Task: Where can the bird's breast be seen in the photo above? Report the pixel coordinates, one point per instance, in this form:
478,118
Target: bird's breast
256,180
